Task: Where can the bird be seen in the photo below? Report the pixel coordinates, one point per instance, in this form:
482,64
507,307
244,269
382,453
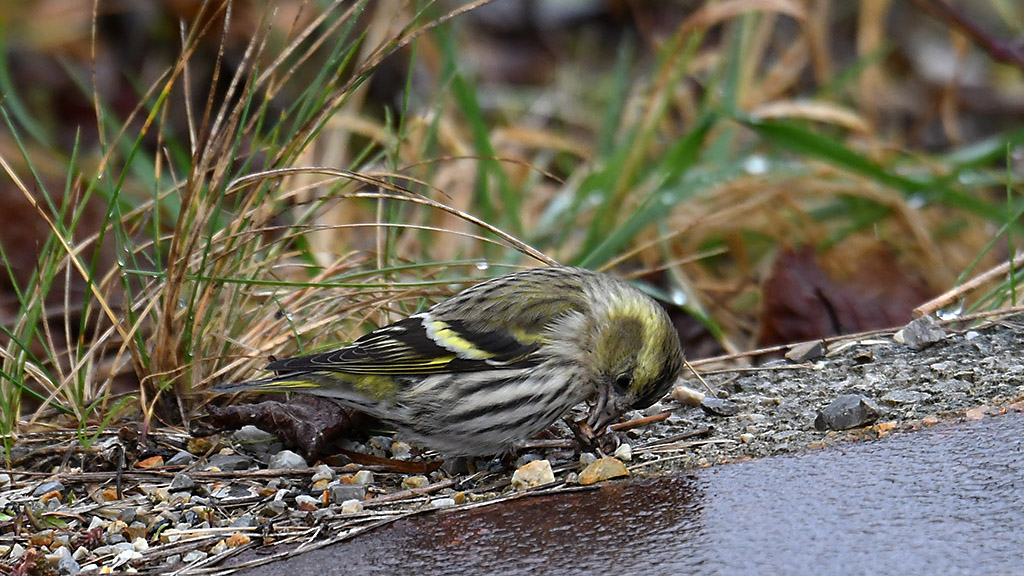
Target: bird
486,370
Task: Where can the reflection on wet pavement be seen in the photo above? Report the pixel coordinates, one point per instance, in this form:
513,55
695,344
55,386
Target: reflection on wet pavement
946,500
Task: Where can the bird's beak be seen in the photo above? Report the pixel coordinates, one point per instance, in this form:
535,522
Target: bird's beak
600,405
603,413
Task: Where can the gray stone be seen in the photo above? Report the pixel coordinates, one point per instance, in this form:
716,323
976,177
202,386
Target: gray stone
230,462
847,411
401,450
47,487
286,460
182,481
719,407
193,556
920,333
342,492
66,564
654,409
182,458
127,515
323,472
244,521
806,351
323,514
250,434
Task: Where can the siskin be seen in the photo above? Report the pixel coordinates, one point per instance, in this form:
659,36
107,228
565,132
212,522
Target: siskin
499,362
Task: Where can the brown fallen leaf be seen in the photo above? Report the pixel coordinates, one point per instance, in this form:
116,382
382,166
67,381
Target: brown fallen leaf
308,423
807,296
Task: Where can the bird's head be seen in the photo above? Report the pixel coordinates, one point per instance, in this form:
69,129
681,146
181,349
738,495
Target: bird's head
636,353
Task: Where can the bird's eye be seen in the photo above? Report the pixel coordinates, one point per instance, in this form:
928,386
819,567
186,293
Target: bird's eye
622,382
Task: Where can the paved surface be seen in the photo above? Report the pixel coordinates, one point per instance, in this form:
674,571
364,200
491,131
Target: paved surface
945,500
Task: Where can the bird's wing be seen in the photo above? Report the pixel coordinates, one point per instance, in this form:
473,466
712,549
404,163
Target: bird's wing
421,344
500,323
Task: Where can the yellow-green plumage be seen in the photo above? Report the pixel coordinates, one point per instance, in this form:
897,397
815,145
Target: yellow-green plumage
500,361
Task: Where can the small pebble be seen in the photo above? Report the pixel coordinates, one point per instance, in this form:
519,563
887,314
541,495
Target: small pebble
323,515
847,411
806,351
624,452
351,507
401,450
286,460
443,502
587,458
47,487
746,437
306,502
340,493
363,477
151,462
155,492
193,556
244,521
380,444
323,472
128,515
719,407
654,409
17,551
125,556
182,481
412,482
229,462
603,469
66,563
250,434
277,506
533,474
920,333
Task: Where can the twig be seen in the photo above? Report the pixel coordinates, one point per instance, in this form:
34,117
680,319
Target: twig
955,294
620,426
